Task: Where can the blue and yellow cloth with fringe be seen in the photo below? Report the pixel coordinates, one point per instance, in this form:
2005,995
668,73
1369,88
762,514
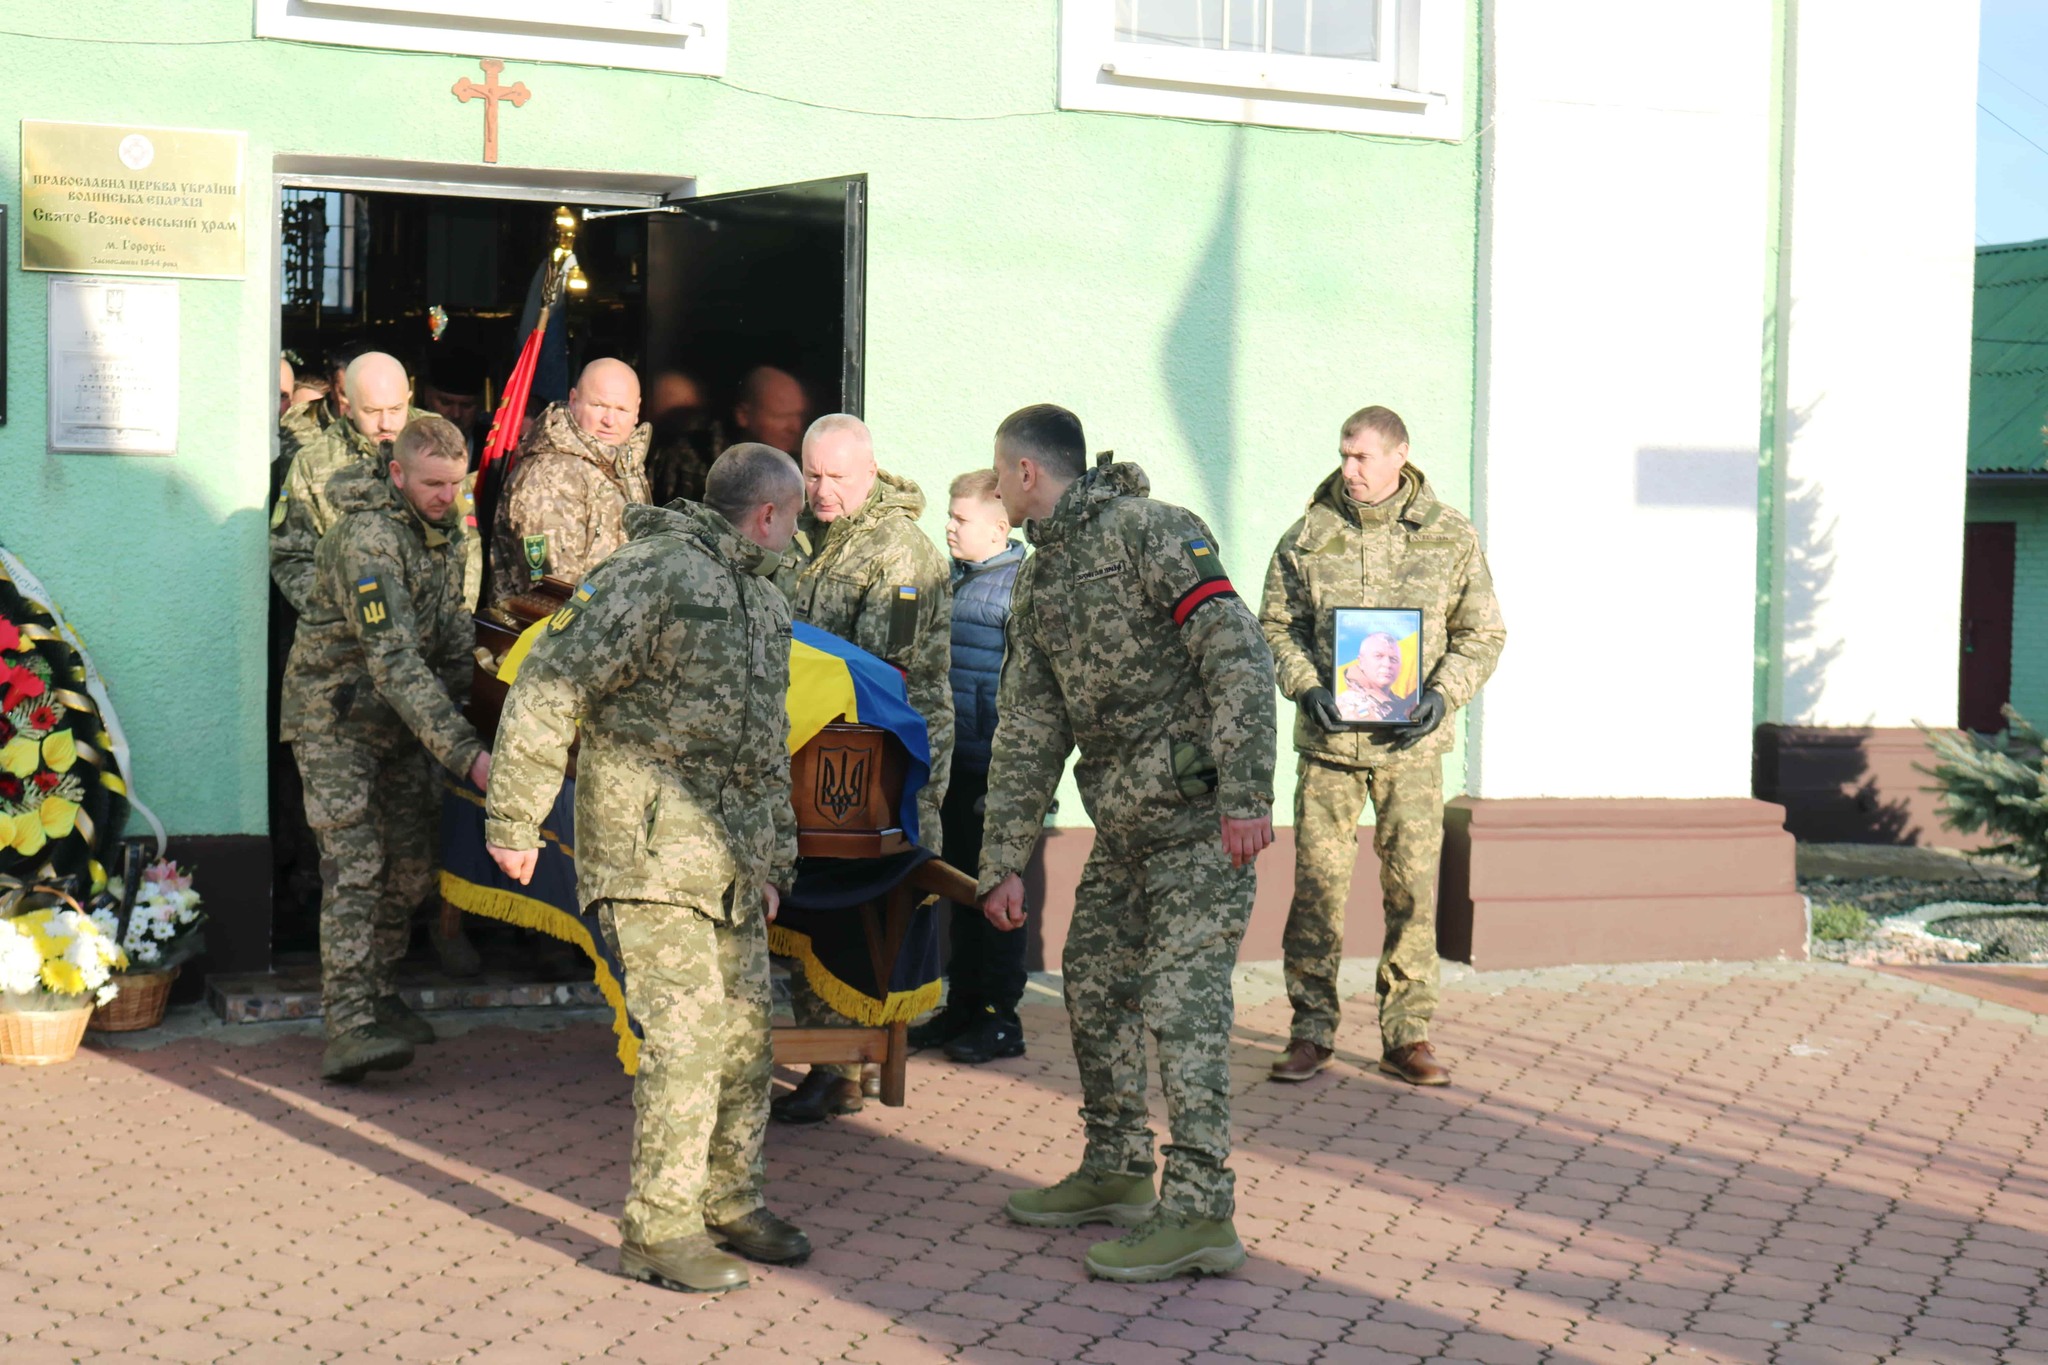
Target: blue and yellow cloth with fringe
829,679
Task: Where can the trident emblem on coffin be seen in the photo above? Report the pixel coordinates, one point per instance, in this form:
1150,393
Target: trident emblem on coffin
842,779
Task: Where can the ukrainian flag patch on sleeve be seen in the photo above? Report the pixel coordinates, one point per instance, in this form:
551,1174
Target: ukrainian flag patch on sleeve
1208,564
1210,579
561,619
903,619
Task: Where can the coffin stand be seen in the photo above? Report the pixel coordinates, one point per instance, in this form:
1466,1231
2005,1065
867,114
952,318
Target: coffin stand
846,785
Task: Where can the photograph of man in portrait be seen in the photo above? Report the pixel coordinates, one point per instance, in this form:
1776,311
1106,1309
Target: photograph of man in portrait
1377,666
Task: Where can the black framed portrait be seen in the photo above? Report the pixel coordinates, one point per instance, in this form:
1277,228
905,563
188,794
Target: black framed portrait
1376,665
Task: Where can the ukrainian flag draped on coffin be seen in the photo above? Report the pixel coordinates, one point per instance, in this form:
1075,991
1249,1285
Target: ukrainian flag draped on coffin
828,679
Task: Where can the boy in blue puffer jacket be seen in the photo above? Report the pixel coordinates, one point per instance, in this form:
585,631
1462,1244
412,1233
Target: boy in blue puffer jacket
986,970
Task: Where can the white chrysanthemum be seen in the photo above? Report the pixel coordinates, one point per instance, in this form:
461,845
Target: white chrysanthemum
83,952
145,954
106,993
109,923
21,964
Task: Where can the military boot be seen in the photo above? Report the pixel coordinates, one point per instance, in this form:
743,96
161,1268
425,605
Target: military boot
1167,1245
821,1094
363,1050
760,1235
457,955
1121,1197
690,1264
396,1018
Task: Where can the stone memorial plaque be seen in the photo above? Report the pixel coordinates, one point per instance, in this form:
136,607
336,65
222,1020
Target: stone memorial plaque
114,366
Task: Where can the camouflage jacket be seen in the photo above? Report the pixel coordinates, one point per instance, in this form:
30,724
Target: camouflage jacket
1410,551
674,658
304,509
875,580
1127,640
303,424
565,509
385,645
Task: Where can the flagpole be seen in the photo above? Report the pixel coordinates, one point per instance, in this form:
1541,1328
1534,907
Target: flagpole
500,456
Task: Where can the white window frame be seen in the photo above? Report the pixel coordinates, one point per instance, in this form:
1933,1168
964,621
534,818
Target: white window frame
687,37
1415,88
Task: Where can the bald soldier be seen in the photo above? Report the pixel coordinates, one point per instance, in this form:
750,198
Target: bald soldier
378,406
771,408
868,575
583,464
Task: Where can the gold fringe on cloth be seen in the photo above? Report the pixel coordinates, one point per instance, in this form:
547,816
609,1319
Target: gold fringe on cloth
528,913
861,1008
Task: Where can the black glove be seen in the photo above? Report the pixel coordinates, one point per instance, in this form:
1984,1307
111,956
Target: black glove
1429,713
1321,707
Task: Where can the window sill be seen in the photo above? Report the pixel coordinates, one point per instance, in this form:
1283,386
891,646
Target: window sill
1167,70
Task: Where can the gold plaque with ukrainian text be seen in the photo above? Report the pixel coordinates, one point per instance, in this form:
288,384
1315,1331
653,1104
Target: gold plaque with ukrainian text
118,199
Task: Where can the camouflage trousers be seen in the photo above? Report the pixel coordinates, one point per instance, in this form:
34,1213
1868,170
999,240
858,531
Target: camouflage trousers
699,988
809,1010
376,813
1407,796
1151,947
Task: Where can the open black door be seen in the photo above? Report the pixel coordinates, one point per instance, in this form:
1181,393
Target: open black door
772,276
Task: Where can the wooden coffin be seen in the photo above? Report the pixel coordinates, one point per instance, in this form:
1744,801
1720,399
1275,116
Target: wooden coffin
845,784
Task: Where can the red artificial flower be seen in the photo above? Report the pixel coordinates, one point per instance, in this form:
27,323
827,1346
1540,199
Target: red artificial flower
10,787
6,729
21,684
44,717
46,781
10,635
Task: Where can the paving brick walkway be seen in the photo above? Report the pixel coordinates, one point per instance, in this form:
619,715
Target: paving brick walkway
1778,1164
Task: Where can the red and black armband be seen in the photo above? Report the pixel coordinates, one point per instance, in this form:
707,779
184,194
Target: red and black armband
1211,582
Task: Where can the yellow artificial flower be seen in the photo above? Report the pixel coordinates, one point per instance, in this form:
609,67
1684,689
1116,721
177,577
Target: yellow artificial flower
60,817
60,751
20,756
63,978
6,830
28,836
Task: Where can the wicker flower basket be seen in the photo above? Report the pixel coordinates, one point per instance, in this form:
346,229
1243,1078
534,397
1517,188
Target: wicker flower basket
41,1038
140,1003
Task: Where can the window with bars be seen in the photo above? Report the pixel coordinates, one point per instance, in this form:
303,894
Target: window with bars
325,242
1351,65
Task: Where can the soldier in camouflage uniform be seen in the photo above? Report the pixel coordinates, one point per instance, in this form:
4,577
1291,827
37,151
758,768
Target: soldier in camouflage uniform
373,689
1373,536
869,575
379,405
317,403
1127,640
673,657
584,464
